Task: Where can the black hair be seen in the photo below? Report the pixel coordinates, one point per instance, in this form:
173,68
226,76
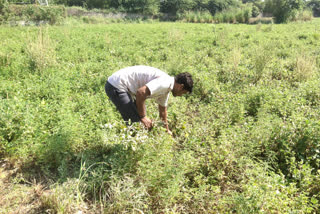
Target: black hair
186,80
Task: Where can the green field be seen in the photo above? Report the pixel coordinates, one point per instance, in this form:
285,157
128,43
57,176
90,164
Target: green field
246,141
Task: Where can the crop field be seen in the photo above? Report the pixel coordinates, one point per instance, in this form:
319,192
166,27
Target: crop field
247,140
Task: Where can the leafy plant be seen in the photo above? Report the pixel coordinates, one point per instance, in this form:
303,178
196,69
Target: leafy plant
246,139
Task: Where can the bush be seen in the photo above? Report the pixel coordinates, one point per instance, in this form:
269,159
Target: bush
247,13
2,4
51,14
196,16
284,10
234,16
176,6
255,11
147,7
240,17
314,5
305,15
217,6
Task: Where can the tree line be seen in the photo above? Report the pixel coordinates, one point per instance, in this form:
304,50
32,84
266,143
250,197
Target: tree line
282,10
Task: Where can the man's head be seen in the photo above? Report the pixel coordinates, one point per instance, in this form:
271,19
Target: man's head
183,84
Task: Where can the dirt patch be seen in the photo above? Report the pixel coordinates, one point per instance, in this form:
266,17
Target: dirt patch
21,193
16,198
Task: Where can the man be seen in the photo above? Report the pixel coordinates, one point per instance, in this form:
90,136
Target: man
141,82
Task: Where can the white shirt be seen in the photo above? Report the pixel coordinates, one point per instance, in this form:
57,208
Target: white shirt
130,79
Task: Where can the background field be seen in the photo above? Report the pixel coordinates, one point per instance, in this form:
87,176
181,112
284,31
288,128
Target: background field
246,140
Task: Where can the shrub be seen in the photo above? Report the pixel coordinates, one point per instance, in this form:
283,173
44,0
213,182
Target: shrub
314,5
51,14
255,11
2,5
247,13
284,10
240,17
234,16
305,15
196,16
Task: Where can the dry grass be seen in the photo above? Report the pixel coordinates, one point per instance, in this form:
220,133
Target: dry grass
304,68
235,58
41,51
16,198
261,20
65,198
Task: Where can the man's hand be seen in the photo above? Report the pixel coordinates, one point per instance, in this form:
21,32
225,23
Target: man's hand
163,116
147,122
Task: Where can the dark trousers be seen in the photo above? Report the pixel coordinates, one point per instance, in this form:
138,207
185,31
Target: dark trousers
123,102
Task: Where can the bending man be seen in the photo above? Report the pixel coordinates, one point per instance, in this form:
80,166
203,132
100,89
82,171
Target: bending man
129,87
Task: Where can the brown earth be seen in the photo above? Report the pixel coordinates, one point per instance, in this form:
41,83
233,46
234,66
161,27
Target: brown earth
16,195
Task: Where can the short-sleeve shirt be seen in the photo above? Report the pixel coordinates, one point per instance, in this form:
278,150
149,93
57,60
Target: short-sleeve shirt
130,79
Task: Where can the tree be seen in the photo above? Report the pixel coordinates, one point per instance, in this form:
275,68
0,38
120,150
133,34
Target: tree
2,4
201,5
150,7
175,6
250,1
94,4
315,7
255,11
284,10
257,3
215,6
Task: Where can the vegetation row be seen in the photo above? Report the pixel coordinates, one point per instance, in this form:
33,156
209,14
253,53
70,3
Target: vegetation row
231,11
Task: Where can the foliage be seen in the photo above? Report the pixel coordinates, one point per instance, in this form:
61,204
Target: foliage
284,10
136,6
196,17
255,11
215,6
51,14
175,6
305,15
2,5
315,7
245,141
153,7
234,16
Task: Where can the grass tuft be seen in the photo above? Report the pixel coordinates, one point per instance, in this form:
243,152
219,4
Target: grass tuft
41,51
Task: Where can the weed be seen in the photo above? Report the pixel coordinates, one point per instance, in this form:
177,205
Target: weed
304,68
41,52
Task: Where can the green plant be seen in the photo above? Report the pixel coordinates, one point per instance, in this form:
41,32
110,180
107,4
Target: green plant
51,14
285,10
41,52
246,139
255,11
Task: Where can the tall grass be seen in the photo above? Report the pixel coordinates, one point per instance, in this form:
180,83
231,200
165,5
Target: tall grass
41,51
234,16
305,15
196,17
304,68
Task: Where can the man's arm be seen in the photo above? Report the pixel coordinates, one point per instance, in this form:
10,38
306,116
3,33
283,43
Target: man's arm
163,116
141,97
